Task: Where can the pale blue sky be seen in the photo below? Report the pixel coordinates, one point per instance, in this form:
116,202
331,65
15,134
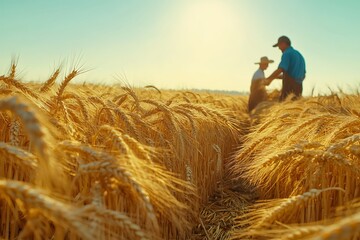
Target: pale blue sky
181,43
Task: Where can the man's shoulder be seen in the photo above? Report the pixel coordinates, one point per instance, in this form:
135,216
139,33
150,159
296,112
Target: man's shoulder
297,54
258,71
258,74
291,52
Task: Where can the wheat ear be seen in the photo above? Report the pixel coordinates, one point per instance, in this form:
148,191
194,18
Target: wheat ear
50,82
60,213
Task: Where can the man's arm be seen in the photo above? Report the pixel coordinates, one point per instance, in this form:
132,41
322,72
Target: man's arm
274,75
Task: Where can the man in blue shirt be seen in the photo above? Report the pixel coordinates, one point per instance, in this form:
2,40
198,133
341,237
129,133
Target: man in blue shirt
292,66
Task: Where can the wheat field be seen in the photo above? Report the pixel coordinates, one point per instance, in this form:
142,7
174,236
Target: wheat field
85,161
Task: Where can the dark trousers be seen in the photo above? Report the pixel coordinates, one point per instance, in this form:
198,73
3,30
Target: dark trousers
290,86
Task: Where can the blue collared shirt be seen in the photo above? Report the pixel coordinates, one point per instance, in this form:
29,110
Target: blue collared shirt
293,63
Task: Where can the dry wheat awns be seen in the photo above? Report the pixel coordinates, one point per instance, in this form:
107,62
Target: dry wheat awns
115,162
295,147
100,162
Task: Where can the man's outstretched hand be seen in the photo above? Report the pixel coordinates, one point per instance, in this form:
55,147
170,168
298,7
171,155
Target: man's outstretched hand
275,74
267,81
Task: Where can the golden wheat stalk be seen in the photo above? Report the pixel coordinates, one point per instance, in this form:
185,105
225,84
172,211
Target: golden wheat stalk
116,219
38,135
61,214
131,92
66,81
345,228
109,165
80,102
12,82
21,157
50,82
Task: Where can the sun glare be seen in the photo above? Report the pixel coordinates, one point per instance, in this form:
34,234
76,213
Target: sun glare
208,23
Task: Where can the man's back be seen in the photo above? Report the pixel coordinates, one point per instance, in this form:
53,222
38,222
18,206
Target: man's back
293,63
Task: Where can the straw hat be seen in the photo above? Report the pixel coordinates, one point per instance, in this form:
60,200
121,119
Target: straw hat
264,60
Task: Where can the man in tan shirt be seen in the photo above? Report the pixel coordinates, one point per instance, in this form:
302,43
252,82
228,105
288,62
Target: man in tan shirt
258,83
